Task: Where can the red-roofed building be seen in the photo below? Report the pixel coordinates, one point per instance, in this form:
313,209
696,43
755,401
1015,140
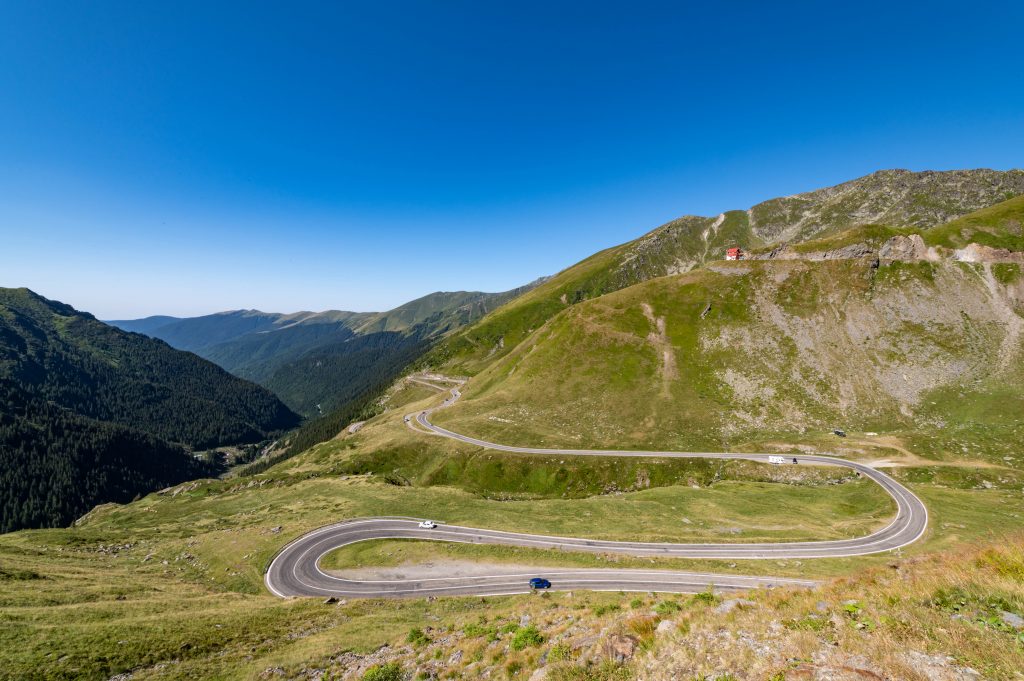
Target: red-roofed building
734,254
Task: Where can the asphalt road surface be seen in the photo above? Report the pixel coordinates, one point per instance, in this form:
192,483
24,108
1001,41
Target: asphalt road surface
295,571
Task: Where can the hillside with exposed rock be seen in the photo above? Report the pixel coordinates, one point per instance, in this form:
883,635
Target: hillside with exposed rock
874,329
897,199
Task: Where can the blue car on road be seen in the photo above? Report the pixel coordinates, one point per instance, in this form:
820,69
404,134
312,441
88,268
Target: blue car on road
539,583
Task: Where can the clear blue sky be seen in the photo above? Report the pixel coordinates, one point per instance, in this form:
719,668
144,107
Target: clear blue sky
182,158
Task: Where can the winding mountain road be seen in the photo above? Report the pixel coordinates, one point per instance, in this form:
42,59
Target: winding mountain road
295,571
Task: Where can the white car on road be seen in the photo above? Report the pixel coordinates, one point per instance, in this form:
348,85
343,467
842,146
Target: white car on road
427,524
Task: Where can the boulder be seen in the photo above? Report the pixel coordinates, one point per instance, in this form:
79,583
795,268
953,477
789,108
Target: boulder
619,647
904,248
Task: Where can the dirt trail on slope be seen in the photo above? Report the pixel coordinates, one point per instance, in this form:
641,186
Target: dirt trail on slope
659,340
912,460
858,448
1014,322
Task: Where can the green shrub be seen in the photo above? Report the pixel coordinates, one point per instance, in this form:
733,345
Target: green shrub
527,636
560,652
665,608
608,671
707,597
384,672
417,637
474,630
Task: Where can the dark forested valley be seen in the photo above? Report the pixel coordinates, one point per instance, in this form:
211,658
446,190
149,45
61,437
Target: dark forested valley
90,414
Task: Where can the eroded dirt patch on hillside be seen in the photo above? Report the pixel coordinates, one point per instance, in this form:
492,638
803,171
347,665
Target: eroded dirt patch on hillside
658,338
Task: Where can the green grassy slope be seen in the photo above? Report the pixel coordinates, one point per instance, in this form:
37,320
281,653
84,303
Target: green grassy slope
757,350
200,334
440,312
171,586
894,197
999,226
273,348
677,246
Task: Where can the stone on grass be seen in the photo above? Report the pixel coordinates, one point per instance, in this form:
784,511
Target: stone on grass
732,604
665,627
619,647
1013,619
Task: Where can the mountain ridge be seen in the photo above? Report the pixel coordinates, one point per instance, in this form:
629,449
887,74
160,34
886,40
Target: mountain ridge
908,198
918,333
90,413
317,361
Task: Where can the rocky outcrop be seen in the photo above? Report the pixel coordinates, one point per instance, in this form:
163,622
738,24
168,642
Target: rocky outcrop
905,248
910,248
786,252
900,198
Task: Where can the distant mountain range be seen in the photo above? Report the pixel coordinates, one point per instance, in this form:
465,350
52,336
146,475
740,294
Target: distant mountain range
317,361
89,413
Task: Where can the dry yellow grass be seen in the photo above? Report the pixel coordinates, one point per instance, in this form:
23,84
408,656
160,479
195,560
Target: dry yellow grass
924,618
